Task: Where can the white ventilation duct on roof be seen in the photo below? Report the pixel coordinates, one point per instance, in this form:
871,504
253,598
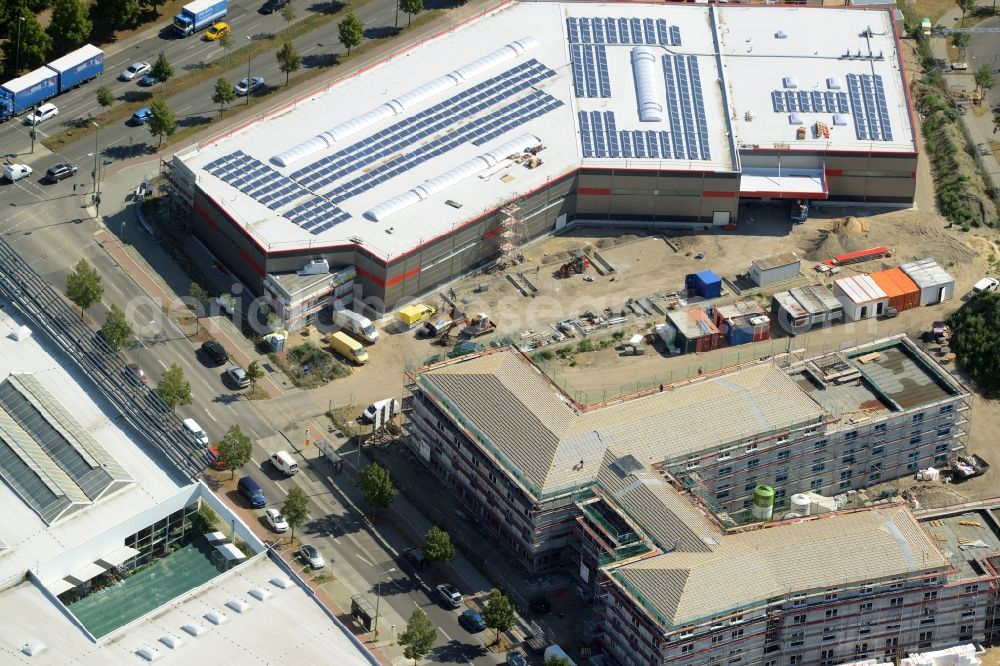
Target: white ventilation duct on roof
644,71
463,171
400,104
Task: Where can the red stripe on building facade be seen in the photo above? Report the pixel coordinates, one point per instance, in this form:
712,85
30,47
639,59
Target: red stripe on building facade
718,195
603,191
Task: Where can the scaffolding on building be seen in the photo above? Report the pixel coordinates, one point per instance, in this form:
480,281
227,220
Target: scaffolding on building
511,237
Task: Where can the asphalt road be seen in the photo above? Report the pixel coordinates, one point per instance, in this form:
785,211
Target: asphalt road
194,104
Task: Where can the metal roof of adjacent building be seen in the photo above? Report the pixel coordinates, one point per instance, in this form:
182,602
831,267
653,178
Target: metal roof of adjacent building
775,261
927,273
748,568
860,289
812,299
740,311
531,428
381,158
693,323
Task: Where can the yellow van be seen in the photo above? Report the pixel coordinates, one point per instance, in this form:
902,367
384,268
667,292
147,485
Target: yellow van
348,347
414,314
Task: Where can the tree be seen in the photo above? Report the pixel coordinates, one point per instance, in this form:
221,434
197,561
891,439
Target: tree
984,79
162,70
116,14
996,123
411,7
35,42
960,40
556,660
376,484
437,545
161,120
83,285
151,3
976,340
226,42
289,59
199,294
235,448
173,389
966,6
254,373
69,27
116,331
289,14
418,639
498,613
351,31
294,509
105,97
224,94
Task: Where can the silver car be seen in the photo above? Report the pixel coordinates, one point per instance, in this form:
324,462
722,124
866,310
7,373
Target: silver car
237,376
134,70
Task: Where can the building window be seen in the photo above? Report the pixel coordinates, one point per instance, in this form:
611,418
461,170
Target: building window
874,476
844,485
947,409
879,427
687,648
753,447
912,467
850,436
819,467
895,602
878,450
941,448
752,464
819,444
799,619
831,612
930,595
917,418
926,636
944,432
783,455
724,471
717,638
846,474
867,606
847,460
780,476
737,634
722,495
795,658
816,483
970,589
915,440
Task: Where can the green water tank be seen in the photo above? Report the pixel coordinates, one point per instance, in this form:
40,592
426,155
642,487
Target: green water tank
763,503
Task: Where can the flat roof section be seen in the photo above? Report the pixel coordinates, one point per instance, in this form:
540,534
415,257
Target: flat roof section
965,538
901,375
846,75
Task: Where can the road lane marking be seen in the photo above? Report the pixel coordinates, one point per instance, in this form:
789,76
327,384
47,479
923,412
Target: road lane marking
210,415
364,560
445,634
254,433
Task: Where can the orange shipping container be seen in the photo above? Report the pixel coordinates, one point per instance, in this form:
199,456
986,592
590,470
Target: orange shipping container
902,291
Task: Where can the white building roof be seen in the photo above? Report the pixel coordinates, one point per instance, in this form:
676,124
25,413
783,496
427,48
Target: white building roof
927,273
286,627
419,144
860,289
27,537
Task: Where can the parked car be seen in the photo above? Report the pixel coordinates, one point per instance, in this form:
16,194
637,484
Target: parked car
192,427
985,285
136,372
142,116
135,70
42,113
215,461
215,352
237,376
60,171
15,172
272,6
472,621
516,659
416,557
247,86
218,31
275,520
449,595
312,556
252,492
148,80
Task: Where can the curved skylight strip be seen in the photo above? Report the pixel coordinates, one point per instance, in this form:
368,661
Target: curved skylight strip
473,167
400,104
644,70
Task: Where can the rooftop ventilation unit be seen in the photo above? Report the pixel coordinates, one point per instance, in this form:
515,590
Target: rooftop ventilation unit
149,653
315,267
260,594
33,649
238,605
781,34
794,118
790,82
194,629
216,617
832,83
172,641
281,583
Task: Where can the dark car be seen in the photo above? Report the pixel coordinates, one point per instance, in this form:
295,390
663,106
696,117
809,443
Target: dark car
60,171
472,621
416,557
272,6
516,659
215,352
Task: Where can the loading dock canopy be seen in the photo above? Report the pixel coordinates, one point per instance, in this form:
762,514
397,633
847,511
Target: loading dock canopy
760,182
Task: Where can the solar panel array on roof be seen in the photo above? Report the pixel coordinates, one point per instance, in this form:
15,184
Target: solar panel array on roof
814,101
628,31
600,137
477,131
590,70
686,106
429,122
871,111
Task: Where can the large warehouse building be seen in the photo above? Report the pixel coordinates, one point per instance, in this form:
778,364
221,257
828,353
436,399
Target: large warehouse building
540,115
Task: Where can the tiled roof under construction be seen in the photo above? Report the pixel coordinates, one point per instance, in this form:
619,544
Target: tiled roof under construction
751,567
537,434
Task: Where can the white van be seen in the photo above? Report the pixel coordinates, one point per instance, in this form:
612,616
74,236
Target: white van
984,285
15,172
556,651
356,324
284,462
192,426
391,406
43,113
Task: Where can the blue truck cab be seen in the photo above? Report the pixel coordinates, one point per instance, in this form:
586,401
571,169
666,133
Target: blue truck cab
199,14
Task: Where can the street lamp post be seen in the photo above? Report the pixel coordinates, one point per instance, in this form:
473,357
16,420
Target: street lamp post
249,55
397,14
96,174
378,596
17,58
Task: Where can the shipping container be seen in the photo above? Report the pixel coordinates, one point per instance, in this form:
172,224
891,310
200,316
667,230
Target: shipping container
695,331
801,308
861,297
774,269
705,284
935,284
903,292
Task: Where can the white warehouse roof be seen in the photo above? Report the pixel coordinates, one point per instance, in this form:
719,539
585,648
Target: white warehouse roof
421,143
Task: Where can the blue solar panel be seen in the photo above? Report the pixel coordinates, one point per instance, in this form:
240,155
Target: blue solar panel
675,35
